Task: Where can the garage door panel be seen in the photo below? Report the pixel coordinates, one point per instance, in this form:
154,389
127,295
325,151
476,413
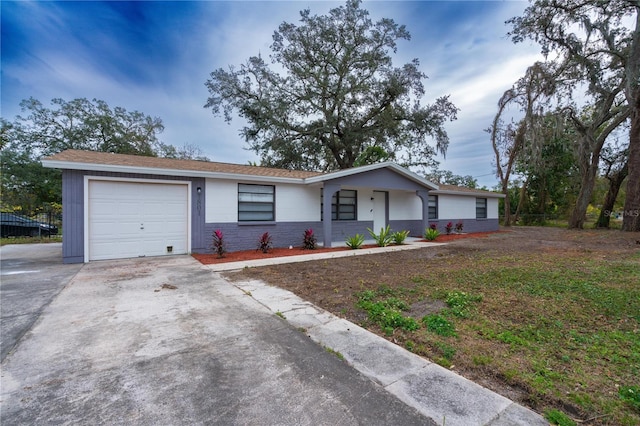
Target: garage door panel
128,219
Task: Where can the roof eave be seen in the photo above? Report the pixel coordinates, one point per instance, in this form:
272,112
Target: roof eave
478,194
72,165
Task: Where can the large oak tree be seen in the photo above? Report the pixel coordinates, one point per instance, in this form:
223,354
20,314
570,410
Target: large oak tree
601,40
334,97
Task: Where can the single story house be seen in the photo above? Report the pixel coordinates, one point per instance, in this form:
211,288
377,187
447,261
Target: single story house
122,206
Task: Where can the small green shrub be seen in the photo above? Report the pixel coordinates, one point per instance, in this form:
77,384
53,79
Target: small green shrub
439,325
430,234
355,242
382,239
398,237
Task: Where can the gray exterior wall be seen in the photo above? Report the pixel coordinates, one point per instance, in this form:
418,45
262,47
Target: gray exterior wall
470,225
284,234
73,210
413,226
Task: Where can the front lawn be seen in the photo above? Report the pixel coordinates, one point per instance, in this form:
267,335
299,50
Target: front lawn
547,317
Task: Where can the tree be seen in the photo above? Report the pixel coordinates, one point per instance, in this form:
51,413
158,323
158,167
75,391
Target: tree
592,36
531,93
546,162
338,95
447,177
76,124
615,160
84,124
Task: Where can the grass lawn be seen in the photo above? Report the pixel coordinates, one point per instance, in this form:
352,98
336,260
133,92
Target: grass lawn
547,317
31,240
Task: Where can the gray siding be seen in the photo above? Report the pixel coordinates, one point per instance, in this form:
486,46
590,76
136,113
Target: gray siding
72,216
381,179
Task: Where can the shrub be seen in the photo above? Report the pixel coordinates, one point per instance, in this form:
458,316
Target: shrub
448,228
355,242
399,237
431,233
382,239
219,244
265,242
309,241
459,227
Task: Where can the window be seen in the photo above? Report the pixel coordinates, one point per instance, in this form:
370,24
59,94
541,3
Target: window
256,202
481,208
433,206
344,205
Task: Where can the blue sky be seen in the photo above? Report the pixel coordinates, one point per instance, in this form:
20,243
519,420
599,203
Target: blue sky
155,57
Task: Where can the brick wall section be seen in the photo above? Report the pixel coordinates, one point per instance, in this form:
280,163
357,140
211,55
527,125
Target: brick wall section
284,234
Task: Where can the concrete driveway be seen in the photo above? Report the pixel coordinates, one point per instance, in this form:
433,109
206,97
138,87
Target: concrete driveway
164,341
31,275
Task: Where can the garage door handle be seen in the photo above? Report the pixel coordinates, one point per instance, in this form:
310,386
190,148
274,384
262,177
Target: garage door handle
142,226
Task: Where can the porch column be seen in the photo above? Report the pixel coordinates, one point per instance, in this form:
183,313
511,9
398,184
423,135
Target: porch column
327,193
424,196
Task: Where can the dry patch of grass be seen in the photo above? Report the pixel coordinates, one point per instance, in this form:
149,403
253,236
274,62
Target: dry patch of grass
549,318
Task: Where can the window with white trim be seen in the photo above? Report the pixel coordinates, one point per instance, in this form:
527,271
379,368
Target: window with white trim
344,205
256,203
481,208
433,206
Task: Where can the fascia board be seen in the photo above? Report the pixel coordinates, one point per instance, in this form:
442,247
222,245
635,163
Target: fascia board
166,172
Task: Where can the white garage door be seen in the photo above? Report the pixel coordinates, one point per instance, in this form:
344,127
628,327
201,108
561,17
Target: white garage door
137,219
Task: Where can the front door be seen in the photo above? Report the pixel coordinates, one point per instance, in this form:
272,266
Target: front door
379,210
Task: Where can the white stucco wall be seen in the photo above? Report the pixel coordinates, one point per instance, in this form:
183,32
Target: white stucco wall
297,203
463,207
221,205
404,205
294,203
456,207
492,208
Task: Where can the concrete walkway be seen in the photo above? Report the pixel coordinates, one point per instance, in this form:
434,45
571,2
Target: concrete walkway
438,393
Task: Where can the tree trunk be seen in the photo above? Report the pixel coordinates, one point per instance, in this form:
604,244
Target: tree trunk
615,182
507,204
588,172
631,214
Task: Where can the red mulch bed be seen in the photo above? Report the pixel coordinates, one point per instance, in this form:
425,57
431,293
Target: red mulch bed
237,256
